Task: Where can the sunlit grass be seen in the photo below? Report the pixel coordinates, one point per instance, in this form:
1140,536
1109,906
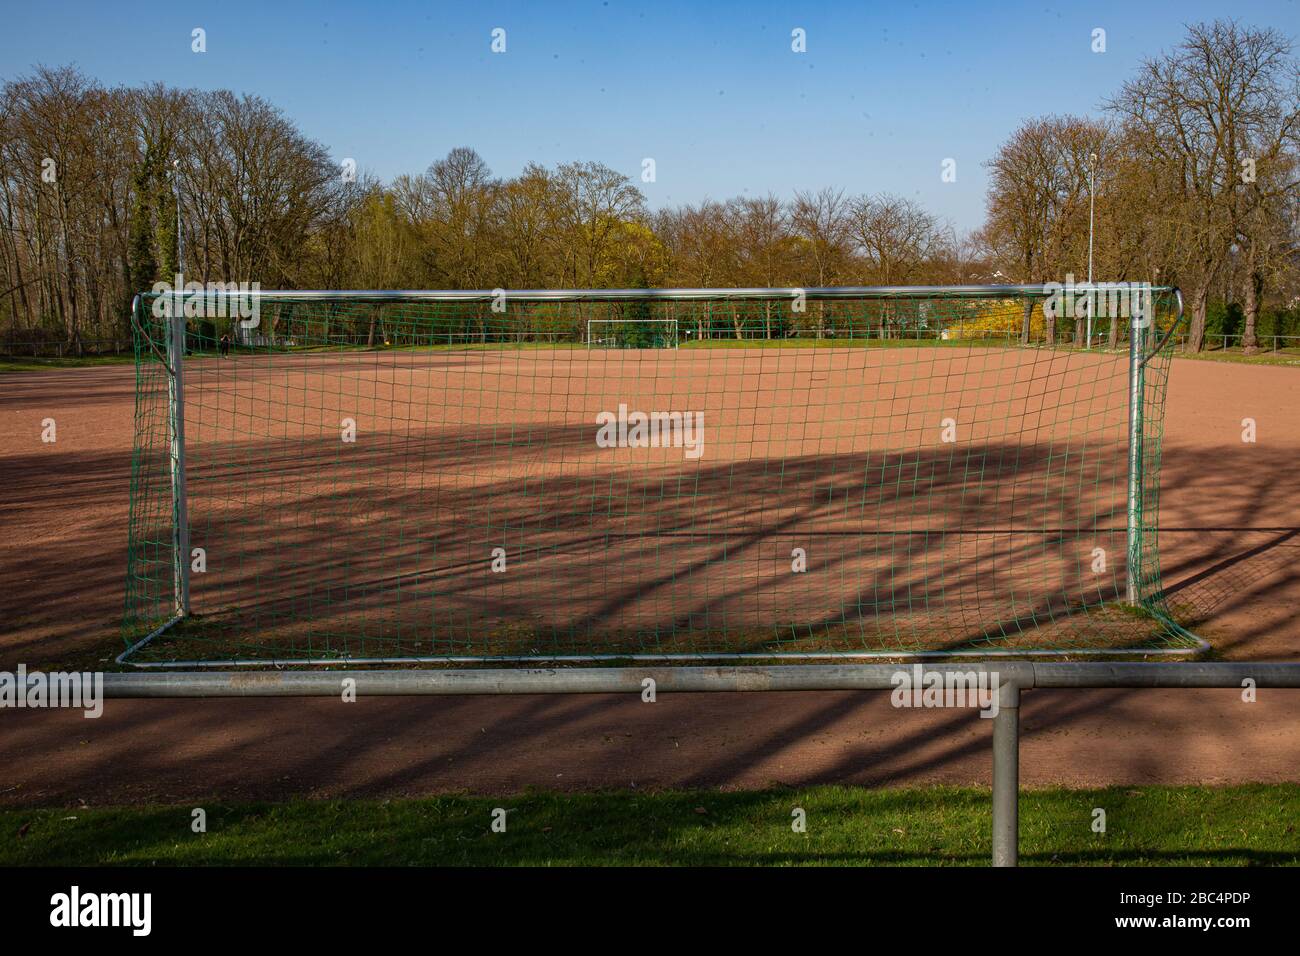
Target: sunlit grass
1241,825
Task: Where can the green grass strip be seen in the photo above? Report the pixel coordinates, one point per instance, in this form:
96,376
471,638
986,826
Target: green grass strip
1197,826
21,364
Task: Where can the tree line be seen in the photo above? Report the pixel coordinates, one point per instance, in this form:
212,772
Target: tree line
1195,164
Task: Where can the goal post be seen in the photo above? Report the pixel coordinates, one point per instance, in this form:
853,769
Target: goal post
635,333
840,473
175,336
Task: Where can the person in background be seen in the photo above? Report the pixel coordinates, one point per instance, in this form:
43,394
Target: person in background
224,345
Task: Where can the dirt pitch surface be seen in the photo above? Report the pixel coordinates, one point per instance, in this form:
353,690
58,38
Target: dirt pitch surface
1229,541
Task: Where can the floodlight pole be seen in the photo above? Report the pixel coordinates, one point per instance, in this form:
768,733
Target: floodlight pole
180,236
1092,205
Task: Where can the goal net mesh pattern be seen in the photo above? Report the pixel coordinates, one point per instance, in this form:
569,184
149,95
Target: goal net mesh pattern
437,479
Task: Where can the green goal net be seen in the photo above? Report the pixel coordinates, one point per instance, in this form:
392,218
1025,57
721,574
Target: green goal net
451,476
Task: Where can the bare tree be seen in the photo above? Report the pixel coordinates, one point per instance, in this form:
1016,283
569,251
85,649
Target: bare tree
762,230
1037,210
1223,100
594,202
820,221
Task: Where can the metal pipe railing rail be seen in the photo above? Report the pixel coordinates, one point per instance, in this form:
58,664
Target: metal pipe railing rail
1009,678
667,295
1233,341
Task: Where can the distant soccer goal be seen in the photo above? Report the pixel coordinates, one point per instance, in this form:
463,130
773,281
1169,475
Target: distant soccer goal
420,476
632,333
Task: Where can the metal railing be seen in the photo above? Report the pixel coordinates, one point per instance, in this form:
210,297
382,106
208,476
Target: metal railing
1009,680
47,348
1233,342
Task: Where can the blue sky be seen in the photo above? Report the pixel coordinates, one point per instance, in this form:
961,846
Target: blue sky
711,91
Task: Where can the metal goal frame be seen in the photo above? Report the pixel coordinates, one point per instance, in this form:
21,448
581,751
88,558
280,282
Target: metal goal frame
174,363
670,322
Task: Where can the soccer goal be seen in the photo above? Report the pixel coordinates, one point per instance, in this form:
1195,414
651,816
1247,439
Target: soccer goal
544,476
632,333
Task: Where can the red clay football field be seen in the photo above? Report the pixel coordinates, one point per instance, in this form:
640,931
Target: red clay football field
1229,540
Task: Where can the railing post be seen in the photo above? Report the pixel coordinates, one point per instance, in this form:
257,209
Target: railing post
1006,776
